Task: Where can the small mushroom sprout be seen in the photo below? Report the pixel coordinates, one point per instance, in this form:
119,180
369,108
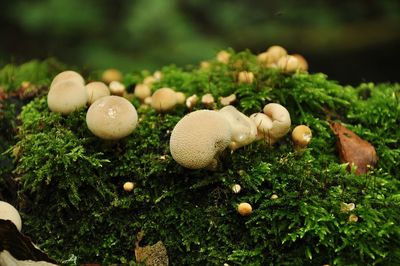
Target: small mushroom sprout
96,90
245,77
236,188
142,91
117,88
301,136
244,209
8,212
111,75
163,99
129,186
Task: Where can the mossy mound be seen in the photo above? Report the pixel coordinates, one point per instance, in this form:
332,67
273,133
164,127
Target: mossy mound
75,208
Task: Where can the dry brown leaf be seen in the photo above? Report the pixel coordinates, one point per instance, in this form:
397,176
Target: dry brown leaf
154,255
353,149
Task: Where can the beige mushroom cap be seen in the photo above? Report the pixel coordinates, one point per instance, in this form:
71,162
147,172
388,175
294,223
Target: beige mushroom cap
67,96
227,100
301,136
142,91
111,75
244,130
180,97
191,101
198,138
289,64
8,212
303,65
246,77
276,52
68,75
96,90
264,126
117,88
111,117
244,209
223,57
163,99
280,119
208,100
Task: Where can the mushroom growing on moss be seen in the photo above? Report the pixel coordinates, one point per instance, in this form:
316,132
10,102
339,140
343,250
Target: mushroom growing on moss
198,139
245,77
8,212
111,75
117,88
66,96
111,118
142,91
244,130
301,136
96,90
244,209
163,100
289,64
68,75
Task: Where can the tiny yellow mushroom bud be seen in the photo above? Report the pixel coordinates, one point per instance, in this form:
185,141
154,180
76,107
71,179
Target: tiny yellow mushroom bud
347,207
303,65
180,97
111,75
244,209
208,100
128,186
301,137
142,91
228,100
236,188
192,101
289,64
164,99
246,77
353,218
205,65
274,196
223,57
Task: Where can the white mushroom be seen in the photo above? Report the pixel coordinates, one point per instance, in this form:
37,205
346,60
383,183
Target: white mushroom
198,138
111,75
245,77
111,117
8,212
227,100
68,75
280,119
117,88
142,91
67,96
244,130
192,101
208,100
180,97
96,90
163,99
289,64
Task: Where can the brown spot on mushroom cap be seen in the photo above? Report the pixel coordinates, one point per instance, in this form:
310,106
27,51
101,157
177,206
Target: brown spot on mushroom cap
8,212
280,119
111,117
96,90
301,136
68,75
198,138
111,75
67,96
142,91
163,99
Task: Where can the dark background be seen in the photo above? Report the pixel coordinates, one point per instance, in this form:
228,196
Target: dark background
351,41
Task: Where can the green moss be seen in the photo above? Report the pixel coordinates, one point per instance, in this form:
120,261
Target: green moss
71,181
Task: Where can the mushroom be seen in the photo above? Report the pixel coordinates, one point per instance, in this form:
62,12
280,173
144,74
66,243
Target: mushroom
274,196
353,218
289,64
142,91
198,139
111,118
236,188
149,80
264,125
147,100
244,209
347,207
163,99
8,212
271,56
96,90
180,97
191,101
68,75
157,75
223,57
301,136
117,88
208,100
66,96
280,120
227,100
128,186
244,130
303,65
111,75
245,77
205,65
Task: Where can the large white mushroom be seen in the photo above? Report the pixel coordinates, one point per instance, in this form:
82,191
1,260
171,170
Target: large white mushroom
198,138
244,130
111,117
68,75
8,212
66,96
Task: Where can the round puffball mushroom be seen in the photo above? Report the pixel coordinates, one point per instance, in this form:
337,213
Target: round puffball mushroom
68,75
244,130
111,118
8,212
236,188
142,91
274,196
301,136
280,120
163,100
223,57
246,77
208,100
276,52
96,90
111,75
353,218
117,88
303,65
244,209
66,96
180,97
289,64
198,138
128,186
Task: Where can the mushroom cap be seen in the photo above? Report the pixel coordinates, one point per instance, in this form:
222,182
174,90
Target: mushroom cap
289,64
223,57
191,101
111,75
280,119
163,99
227,100
128,186
180,97
244,209
198,138
301,136
245,77
67,96
111,117
275,52
207,100
96,90
244,130
264,126
117,88
8,212
303,65
68,75
142,91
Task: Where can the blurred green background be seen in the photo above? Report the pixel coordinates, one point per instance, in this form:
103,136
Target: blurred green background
352,41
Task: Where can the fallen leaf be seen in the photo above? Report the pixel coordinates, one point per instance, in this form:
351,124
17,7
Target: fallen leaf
152,255
353,149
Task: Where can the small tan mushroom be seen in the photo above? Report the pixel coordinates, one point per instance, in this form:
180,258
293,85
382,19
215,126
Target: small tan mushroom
111,75
149,80
117,88
8,212
208,100
223,57
244,209
147,100
111,118
163,100
244,130
129,186
142,91
280,119
180,97
205,65
301,136
198,139
245,77
289,64
353,218
192,101
228,100
96,90
303,65
236,188
67,96
157,75
274,196
271,57
68,75
347,207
